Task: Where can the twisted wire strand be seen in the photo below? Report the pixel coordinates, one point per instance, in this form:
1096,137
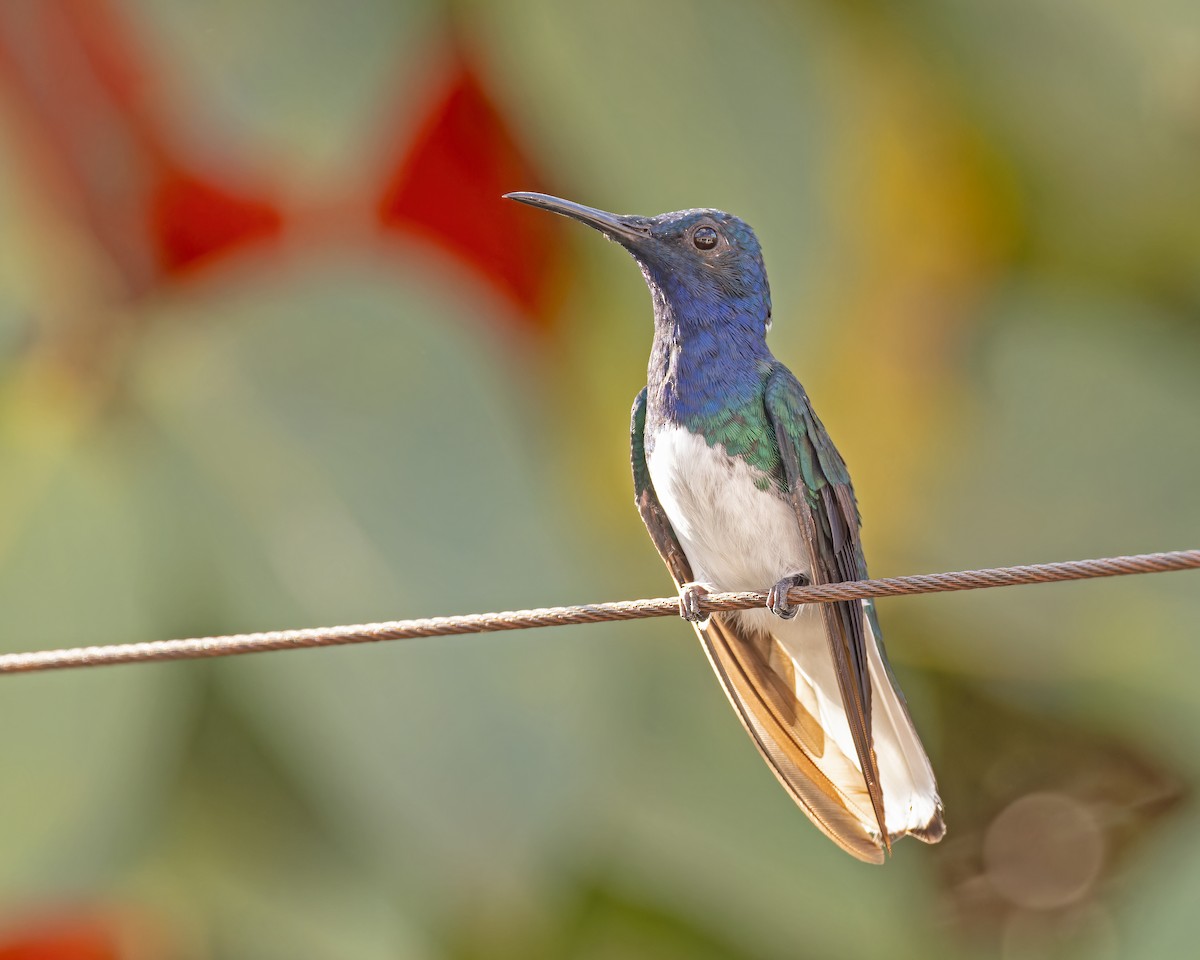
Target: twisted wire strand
222,646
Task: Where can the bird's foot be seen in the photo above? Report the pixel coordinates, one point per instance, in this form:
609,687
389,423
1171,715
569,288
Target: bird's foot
777,596
690,595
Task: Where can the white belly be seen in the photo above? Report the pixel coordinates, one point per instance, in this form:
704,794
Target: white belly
735,535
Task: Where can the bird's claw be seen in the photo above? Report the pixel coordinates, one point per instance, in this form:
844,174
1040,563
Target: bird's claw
690,597
777,596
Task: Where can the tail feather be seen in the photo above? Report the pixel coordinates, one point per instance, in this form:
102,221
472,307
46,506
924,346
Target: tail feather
910,793
837,804
779,677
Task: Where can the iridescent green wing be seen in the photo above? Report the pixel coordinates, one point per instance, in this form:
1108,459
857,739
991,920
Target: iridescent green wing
818,483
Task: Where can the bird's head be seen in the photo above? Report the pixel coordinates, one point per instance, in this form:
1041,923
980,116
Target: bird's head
704,267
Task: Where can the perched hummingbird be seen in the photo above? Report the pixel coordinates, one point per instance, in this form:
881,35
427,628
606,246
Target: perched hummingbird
741,488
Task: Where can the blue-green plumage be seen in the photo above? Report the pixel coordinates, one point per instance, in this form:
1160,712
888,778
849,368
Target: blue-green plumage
741,488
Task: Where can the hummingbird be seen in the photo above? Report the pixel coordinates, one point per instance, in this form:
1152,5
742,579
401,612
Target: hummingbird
741,488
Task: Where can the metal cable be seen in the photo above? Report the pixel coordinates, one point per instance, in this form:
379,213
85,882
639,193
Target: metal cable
197,647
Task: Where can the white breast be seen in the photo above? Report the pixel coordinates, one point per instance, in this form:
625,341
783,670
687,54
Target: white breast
735,535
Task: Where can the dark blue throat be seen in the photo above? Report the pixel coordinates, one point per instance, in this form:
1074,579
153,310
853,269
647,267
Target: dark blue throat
708,365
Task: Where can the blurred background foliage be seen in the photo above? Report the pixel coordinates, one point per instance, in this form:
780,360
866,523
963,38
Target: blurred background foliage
274,353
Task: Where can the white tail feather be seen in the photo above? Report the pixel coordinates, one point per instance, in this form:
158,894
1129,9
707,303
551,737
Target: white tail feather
910,798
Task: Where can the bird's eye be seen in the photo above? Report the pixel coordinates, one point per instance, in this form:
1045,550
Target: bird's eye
705,238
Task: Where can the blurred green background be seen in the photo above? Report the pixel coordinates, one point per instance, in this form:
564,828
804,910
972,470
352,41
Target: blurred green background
273,353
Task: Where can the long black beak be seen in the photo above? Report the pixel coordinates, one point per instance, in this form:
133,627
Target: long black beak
623,229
